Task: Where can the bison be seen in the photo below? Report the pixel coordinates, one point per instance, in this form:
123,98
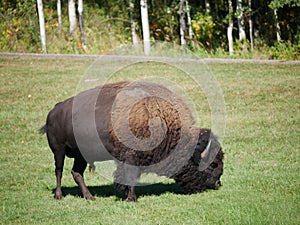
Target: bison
144,127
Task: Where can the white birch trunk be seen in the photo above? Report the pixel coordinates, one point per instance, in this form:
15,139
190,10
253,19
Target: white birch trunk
59,15
42,25
277,26
207,6
251,26
255,29
189,20
81,24
72,16
182,26
135,40
242,33
230,28
145,25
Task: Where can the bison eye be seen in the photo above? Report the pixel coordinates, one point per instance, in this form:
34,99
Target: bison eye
214,165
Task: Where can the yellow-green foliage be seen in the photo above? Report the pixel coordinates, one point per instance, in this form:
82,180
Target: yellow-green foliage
203,26
107,27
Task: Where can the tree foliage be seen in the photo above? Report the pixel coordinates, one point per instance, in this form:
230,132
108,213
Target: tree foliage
277,4
107,25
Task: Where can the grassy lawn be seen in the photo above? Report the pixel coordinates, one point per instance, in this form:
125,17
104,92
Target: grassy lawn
261,181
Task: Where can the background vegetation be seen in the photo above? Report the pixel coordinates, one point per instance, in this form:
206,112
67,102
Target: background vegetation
261,181
107,26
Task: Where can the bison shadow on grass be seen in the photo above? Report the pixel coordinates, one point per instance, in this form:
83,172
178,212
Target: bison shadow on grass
144,128
109,190
106,191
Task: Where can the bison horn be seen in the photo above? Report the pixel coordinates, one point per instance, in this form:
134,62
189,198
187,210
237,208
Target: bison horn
206,150
209,154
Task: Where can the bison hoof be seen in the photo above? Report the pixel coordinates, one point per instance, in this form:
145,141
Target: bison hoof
89,197
131,199
58,195
92,168
92,198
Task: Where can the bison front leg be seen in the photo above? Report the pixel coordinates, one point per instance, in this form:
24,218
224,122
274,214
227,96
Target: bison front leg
125,178
77,172
131,196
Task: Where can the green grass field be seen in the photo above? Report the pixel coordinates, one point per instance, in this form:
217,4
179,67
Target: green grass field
261,181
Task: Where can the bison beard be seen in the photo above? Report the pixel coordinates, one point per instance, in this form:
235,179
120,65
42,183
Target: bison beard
176,150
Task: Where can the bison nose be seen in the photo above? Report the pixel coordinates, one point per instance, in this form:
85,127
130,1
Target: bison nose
217,184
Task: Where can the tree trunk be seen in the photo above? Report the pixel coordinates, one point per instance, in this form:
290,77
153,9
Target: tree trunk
230,28
145,25
207,6
189,20
251,26
242,33
216,13
135,40
59,15
72,16
277,26
182,26
42,25
81,24
256,28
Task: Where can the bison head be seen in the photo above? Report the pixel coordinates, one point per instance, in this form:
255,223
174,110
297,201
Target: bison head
205,168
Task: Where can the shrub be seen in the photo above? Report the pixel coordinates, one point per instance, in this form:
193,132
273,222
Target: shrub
285,51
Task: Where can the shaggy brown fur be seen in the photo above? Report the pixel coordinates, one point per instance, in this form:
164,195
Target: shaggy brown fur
143,126
191,178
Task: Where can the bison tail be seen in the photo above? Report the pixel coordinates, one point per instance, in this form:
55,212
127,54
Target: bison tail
43,129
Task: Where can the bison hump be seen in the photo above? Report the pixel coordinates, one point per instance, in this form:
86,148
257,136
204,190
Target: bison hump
146,124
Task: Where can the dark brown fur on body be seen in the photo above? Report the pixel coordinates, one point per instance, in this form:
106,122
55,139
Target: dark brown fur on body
189,177
167,120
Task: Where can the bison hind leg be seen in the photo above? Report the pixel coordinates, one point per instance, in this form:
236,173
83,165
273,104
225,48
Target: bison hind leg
77,172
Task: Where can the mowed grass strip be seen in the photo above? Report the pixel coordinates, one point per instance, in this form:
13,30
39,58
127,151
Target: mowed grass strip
261,182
